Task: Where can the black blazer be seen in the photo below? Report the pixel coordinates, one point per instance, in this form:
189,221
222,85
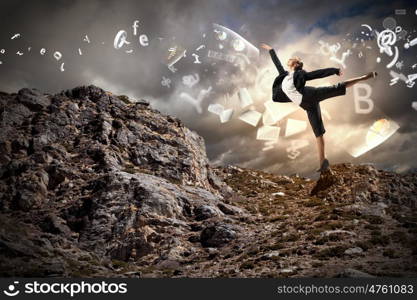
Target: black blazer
300,77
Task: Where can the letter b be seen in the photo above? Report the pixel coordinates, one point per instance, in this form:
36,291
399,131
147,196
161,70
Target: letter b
363,98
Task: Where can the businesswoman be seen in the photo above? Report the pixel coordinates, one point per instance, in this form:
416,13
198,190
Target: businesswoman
290,86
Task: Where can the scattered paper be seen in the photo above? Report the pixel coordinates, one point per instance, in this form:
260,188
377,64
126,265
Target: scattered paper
251,117
268,133
278,110
294,127
224,114
245,98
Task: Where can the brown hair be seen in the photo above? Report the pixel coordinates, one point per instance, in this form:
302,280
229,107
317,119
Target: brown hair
296,63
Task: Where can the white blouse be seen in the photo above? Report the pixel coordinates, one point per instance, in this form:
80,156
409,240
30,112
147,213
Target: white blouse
289,89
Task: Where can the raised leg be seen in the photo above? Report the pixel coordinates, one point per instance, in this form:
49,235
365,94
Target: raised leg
352,81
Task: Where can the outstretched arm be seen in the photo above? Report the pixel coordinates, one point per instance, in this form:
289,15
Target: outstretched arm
274,57
322,73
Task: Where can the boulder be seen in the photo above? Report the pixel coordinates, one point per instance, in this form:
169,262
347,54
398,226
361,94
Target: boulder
204,212
33,99
217,235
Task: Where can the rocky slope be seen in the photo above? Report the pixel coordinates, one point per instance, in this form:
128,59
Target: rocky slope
93,184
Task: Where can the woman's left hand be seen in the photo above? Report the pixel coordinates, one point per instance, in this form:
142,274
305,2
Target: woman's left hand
266,46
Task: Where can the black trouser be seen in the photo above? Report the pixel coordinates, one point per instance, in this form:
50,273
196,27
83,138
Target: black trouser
311,103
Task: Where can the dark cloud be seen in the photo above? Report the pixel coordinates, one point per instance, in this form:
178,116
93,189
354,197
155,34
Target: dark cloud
293,27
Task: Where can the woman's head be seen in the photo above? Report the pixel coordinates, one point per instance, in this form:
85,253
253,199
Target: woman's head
295,64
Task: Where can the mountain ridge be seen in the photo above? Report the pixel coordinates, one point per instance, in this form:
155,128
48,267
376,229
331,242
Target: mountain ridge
95,184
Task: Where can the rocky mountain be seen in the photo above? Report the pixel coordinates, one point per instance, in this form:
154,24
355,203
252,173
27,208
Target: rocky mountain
94,184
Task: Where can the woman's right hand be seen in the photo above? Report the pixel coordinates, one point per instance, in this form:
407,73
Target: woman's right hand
266,46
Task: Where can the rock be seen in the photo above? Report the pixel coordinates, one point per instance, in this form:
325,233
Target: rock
194,239
142,102
230,209
16,115
326,180
372,210
136,274
337,231
284,180
205,212
217,235
289,270
56,176
55,225
271,255
33,99
31,192
352,273
168,264
353,251
212,252
102,177
90,92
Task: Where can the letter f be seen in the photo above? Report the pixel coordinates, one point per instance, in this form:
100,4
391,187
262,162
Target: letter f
135,26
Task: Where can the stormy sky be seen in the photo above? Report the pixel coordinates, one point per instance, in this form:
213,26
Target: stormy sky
293,28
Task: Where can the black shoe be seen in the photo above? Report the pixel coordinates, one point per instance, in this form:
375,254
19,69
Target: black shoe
324,166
